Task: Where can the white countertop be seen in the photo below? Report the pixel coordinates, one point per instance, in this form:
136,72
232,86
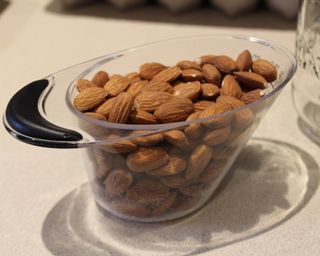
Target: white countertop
35,182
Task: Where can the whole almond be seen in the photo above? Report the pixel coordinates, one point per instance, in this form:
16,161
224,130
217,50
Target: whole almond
100,78
149,70
84,84
217,136
217,109
199,159
190,90
121,108
133,77
158,86
265,69
104,162
96,116
168,75
250,80
130,209
210,91
194,130
230,87
136,87
165,205
118,181
176,138
189,75
244,61
211,173
121,146
202,105
251,96
188,64
175,165
224,64
146,140
142,117
149,100
174,110
175,181
147,159
116,85
192,189
211,74
205,59
89,98
104,109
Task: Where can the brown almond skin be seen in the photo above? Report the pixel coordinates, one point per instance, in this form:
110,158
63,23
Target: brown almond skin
142,117
174,110
190,90
149,100
149,70
251,96
133,77
205,59
230,87
175,181
265,69
217,109
202,105
89,98
168,75
250,80
122,146
146,140
224,64
189,75
118,181
194,131
130,209
100,78
158,86
209,91
188,64
175,165
121,108
211,74
147,159
96,116
217,136
136,87
176,138
84,84
116,85
244,61
104,109
165,205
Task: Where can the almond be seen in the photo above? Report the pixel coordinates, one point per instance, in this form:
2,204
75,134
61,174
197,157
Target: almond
146,140
116,85
121,108
149,100
210,91
205,59
250,80
100,78
84,84
136,87
175,165
211,74
174,110
121,146
165,205
104,109
230,87
130,209
202,105
224,64
104,162
176,138
142,117
244,61
189,75
199,159
96,116
168,75
265,69
194,130
189,90
89,98
217,136
192,189
149,70
188,64
251,96
211,173
217,109
147,159
133,77
118,181
175,181
158,86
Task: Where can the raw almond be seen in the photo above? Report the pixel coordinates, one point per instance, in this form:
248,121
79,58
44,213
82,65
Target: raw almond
147,159
202,105
217,136
211,173
133,77
168,75
165,205
142,117
89,98
189,90
176,138
210,91
96,116
116,85
104,109
149,70
189,75
206,59
217,109
250,80
175,165
244,61
149,100
130,209
199,159
100,78
194,130
104,162
224,64
84,84
174,110
120,146
158,86
136,87
146,140
251,96
121,108
265,69
230,87
192,189
211,74
118,181
188,64
175,181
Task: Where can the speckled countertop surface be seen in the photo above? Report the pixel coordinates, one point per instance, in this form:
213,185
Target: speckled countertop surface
44,200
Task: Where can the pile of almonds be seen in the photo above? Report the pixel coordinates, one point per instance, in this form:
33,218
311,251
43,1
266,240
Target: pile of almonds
165,173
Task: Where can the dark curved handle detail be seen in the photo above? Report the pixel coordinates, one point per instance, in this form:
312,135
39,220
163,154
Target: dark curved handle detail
23,117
